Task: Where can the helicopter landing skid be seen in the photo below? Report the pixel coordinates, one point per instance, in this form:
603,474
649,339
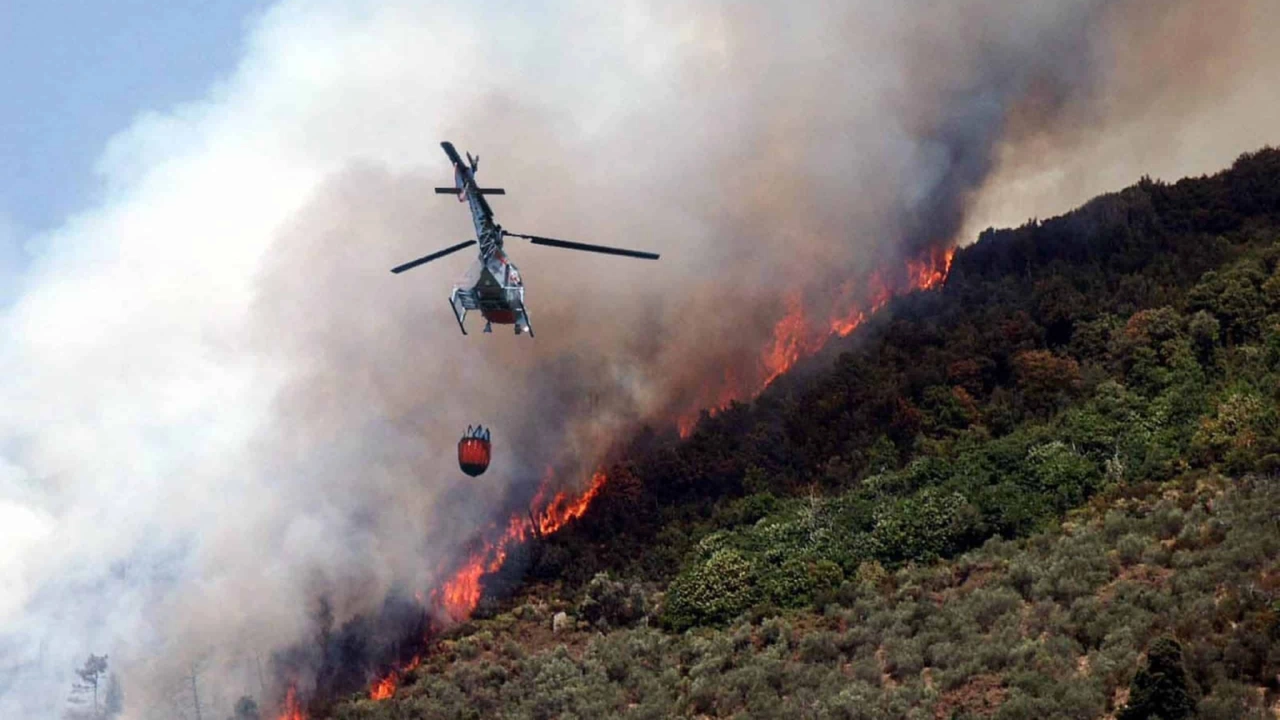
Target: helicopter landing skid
459,313
462,299
528,327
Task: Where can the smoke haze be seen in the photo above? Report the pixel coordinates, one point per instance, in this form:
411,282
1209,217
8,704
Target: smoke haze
217,405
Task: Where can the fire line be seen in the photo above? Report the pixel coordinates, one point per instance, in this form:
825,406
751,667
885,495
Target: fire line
793,338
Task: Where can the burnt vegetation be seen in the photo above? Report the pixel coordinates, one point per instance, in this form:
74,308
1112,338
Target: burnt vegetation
1045,490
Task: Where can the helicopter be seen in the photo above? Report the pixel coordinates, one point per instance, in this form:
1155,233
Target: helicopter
493,284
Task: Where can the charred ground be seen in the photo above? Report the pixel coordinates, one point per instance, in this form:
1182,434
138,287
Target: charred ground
883,536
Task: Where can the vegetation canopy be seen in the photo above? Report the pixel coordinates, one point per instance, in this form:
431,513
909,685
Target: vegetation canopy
1045,490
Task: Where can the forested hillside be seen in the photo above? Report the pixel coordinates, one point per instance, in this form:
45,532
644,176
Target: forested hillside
1047,489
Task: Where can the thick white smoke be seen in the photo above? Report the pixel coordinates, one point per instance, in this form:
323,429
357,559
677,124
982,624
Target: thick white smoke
217,405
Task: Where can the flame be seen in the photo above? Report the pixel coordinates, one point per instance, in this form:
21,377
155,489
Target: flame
292,709
460,595
685,425
932,270
386,687
561,510
792,339
795,337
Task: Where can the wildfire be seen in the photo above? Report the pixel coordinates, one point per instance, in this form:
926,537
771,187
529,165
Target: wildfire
292,709
931,271
792,339
386,687
562,509
795,337
461,594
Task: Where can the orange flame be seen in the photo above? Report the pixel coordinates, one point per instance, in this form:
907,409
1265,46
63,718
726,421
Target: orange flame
292,709
386,687
561,510
794,337
461,593
931,271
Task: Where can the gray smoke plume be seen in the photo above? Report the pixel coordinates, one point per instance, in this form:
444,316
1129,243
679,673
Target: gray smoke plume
217,405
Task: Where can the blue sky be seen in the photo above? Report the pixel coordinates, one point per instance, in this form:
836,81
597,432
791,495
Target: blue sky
74,73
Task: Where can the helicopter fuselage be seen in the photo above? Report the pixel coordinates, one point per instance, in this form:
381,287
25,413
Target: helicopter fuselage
493,285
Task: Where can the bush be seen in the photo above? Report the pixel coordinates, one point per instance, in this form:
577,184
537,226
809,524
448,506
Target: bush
612,603
819,647
1232,701
712,592
788,584
1130,548
988,605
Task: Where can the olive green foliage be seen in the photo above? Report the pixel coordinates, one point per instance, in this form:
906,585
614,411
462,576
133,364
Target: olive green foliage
1050,627
991,504
1128,341
611,603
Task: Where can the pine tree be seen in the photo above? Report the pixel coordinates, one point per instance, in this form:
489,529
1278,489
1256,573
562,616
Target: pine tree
1160,690
91,676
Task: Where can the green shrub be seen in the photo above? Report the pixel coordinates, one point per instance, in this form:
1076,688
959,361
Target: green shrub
712,592
819,647
788,584
612,603
1130,548
1232,701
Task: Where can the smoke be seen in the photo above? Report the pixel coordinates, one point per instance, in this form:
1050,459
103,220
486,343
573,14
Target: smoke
217,405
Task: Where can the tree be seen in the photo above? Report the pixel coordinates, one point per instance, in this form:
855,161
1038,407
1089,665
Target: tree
246,709
91,676
1045,378
184,691
1160,690
194,678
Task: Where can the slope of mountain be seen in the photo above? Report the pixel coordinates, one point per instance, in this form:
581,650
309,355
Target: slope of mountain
1046,489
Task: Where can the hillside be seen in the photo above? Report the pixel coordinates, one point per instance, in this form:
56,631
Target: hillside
1023,494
